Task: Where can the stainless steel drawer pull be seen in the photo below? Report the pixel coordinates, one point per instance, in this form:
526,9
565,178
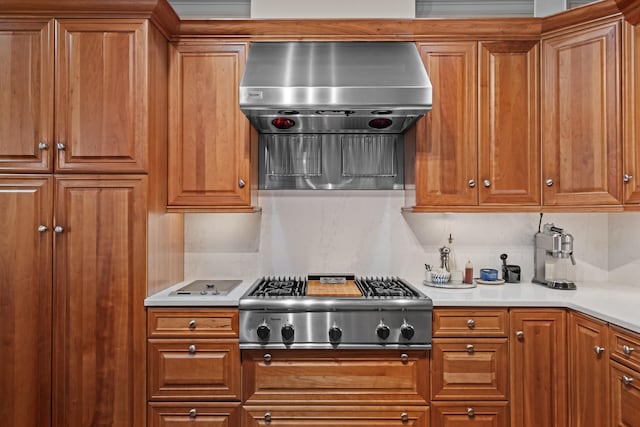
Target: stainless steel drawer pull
58,229
470,412
193,412
61,146
627,380
42,228
241,183
43,146
469,348
404,417
627,350
472,183
267,357
549,182
192,348
598,350
404,357
192,324
627,177
267,417
520,335
471,323
486,183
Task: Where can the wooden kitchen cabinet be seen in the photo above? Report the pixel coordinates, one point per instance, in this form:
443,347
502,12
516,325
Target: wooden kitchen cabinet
335,416
343,377
581,116
538,367
631,109
196,323
447,136
471,322
625,388
198,414
26,78
589,396
469,414
209,137
99,363
25,300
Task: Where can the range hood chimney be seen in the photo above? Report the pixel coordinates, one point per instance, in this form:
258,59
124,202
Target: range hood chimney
334,87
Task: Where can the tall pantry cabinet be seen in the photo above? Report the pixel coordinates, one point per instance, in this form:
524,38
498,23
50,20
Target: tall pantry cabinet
82,194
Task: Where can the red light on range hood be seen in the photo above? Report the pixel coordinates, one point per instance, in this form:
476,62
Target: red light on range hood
283,123
380,123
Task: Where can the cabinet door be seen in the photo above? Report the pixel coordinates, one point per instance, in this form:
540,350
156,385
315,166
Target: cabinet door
26,99
101,101
209,149
631,119
99,363
509,140
471,414
625,387
581,120
538,370
446,138
588,372
197,414
335,416
25,301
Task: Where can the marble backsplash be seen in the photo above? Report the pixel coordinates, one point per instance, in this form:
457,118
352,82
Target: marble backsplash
366,233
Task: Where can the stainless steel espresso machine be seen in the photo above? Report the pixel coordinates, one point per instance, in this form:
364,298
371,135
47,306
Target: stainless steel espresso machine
553,250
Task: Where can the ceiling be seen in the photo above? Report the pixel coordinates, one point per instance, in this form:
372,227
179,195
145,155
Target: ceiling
241,9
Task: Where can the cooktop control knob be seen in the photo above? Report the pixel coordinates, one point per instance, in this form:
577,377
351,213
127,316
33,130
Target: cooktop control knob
407,330
383,331
335,333
287,332
263,331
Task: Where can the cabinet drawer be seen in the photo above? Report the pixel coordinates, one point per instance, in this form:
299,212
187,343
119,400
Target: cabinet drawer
194,369
625,391
467,369
625,347
472,414
470,323
194,414
178,323
338,377
336,416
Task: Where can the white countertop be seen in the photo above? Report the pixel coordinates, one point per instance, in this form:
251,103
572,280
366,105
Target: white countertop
611,302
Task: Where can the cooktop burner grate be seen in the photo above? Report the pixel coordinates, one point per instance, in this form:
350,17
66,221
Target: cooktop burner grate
274,287
385,287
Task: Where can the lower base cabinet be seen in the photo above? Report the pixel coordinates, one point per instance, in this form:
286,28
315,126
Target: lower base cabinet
335,416
625,392
194,415
472,414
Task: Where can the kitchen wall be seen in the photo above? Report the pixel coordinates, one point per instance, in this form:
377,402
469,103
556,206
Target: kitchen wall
365,232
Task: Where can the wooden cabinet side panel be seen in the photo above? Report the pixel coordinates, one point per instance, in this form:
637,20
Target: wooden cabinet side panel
631,118
25,301
209,138
509,136
538,368
99,288
446,138
26,98
101,103
589,396
581,117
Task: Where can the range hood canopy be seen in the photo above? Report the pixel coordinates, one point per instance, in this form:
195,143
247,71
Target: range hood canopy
334,87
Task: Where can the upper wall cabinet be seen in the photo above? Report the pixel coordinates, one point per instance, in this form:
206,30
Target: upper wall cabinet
581,117
631,120
209,137
101,122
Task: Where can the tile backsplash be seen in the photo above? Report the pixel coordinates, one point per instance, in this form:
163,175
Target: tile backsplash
365,232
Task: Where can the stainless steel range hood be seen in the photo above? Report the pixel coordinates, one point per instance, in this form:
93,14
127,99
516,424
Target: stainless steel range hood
334,87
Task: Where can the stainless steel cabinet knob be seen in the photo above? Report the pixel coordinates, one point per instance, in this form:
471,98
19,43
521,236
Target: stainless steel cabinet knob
598,350
627,177
61,146
472,183
193,412
267,357
627,380
267,417
404,417
192,348
471,324
469,348
43,146
58,229
520,335
192,324
486,183
241,183
470,412
404,357
627,350
42,228
549,182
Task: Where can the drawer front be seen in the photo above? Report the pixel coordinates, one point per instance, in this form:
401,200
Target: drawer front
336,416
194,370
467,369
625,391
625,347
199,323
194,415
339,377
472,414
470,323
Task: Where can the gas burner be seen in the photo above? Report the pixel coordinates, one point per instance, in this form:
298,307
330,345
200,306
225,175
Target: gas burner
385,287
274,287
